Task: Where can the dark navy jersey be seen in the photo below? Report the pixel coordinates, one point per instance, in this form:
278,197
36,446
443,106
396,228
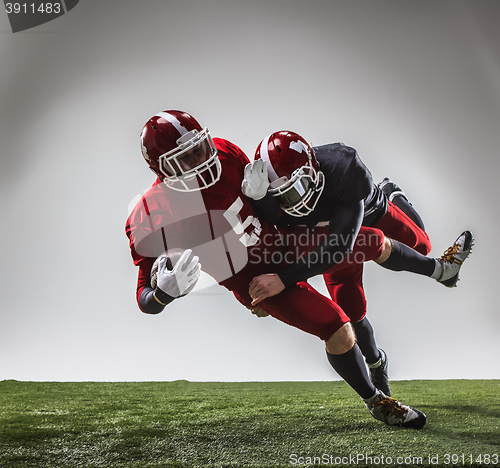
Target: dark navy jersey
347,180
349,199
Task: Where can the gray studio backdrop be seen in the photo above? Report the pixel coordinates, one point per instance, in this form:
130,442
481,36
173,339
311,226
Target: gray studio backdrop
413,86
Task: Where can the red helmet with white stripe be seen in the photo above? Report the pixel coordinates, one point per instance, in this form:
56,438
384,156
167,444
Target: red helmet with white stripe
180,152
293,172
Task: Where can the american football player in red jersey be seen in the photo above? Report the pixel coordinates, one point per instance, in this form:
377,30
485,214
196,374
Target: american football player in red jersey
292,183
196,205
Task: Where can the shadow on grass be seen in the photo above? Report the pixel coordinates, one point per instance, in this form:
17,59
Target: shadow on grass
482,411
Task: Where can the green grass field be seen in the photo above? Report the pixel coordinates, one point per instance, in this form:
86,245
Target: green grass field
279,424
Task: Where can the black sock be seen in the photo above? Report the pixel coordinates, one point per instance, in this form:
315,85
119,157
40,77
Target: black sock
407,208
404,258
366,340
351,367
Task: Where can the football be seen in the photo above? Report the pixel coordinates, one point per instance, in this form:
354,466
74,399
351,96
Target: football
172,258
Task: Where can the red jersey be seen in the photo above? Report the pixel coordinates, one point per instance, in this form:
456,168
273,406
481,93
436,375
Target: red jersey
218,223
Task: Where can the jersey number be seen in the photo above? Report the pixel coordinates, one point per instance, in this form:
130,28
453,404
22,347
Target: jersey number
233,217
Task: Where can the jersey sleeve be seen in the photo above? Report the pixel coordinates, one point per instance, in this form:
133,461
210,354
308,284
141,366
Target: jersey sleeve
343,230
232,153
144,248
267,209
144,294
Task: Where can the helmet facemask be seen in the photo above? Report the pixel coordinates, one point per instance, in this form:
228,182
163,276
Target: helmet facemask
193,165
299,195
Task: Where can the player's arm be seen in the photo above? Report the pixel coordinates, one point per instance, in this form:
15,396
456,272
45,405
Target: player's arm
145,293
267,209
150,304
146,299
344,227
170,284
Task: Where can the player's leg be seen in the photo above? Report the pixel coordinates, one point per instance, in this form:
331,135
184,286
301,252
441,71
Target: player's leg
376,358
346,358
407,208
397,256
397,225
305,308
345,286
350,366
396,195
346,289
365,337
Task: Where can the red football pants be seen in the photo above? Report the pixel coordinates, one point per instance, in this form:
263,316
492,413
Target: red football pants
301,306
345,285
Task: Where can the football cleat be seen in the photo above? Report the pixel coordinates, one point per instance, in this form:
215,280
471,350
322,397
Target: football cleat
379,373
391,190
448,266
392,412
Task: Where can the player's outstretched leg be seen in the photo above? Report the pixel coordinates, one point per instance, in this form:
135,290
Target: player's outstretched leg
448,266
379,373
396,195
392,412
445,270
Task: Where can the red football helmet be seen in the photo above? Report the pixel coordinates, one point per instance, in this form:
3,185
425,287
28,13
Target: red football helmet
293,172
180,152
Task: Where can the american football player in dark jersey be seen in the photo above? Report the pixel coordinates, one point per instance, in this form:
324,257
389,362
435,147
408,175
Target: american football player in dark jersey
196,206
292,184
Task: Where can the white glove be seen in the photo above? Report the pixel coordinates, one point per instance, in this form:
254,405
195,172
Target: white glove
255,183
182,278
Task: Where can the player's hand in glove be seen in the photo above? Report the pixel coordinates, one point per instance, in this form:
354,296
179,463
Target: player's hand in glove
259,312
182,278
255,183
